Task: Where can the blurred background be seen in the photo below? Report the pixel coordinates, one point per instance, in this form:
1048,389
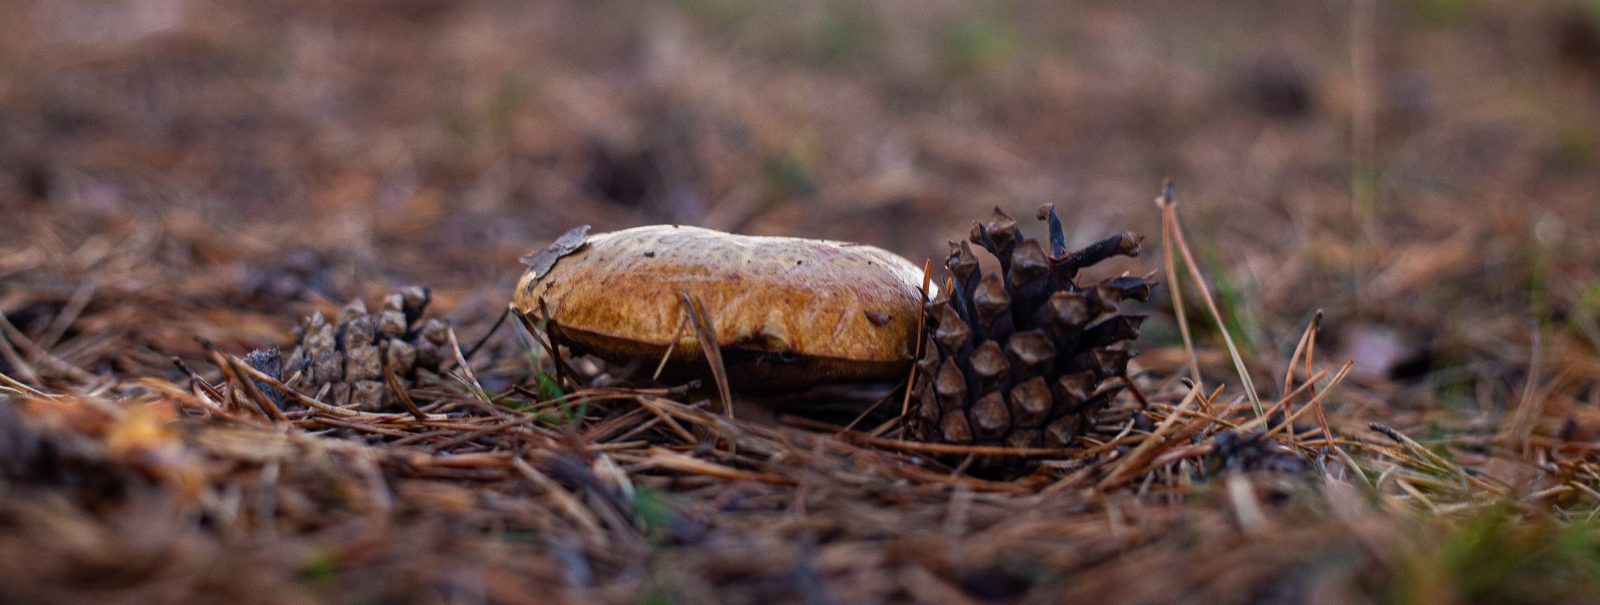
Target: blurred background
1421,167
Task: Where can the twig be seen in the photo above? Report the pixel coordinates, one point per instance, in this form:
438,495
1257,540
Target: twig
492,329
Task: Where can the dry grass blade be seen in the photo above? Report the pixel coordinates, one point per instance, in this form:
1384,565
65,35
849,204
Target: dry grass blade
1175,287
1134,461
565,501
922,327
236,376
661,409
1424,457
1288,374
706,333
931,448
1315,403
471,379
483,340
667,459
400,393
69,314
311,402
23,388
877,403
198,384
1246,506
14,359
261,400
1169,221
666,355
1517,431
32,352
1311,357
564,372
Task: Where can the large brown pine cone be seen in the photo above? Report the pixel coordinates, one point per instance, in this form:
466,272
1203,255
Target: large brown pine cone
1021,357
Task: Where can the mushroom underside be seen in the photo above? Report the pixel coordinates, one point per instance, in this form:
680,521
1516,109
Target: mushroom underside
751,368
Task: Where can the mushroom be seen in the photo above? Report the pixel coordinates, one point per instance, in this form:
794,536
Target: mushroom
787,313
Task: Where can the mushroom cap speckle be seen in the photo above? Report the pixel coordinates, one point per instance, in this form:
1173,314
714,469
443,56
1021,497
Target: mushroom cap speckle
787,312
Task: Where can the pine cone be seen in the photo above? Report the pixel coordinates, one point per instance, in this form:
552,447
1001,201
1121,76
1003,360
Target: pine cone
342,362
1251,452
1021,357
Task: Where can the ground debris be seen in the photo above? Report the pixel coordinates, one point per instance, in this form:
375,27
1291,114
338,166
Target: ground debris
182,183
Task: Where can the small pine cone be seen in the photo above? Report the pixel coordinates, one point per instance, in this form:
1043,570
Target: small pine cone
1251,452
343,362
1021,357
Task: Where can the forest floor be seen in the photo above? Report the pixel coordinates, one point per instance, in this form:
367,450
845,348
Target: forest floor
1411,186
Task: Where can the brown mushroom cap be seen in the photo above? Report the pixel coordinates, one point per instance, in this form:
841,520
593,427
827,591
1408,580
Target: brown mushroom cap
787,312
